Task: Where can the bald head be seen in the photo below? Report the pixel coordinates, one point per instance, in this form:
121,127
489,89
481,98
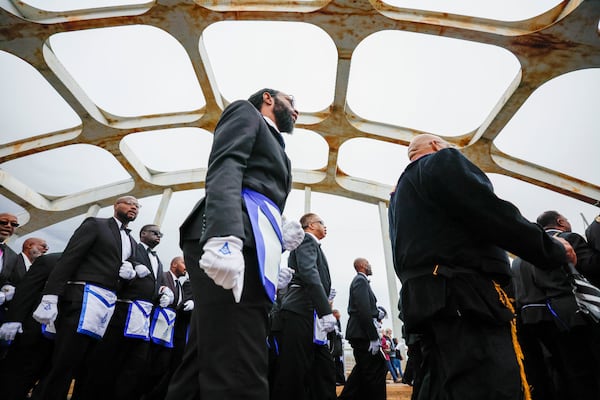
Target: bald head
363,265
424,144
34,247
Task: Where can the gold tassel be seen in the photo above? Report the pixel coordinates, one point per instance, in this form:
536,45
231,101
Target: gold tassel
504,299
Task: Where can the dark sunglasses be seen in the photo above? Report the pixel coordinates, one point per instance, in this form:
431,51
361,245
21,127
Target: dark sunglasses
157,233
13,224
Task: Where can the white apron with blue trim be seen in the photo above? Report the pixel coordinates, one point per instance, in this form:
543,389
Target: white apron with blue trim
162,328
319,334
96,311
137,325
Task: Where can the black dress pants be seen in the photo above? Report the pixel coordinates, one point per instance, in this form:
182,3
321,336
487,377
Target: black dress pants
226,355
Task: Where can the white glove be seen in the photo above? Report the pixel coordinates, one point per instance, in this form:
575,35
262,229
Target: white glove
188,305
374,346
47,311
292,233
141,271
2,298
166,296
284,277
184,278
332,294
328,322
9,330
126,271
223,262
9,292
382,313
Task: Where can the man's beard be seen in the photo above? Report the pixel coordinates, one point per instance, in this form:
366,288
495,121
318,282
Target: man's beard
283,117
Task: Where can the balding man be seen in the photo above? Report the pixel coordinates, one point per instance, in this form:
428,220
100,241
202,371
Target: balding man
85,280
8,224
449,235
31,250
367,379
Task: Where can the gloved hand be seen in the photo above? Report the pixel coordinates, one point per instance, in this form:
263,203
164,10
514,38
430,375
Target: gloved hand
166,296
126,271
382,313
374,346
9,292
141,271
9,330
223,262
328,322
184,278
47,311
292,233
332,294
284,277
188,305
2,298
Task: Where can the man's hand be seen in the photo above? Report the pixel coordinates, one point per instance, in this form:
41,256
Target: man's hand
9,330
284,277
142,271
292,233
188,305
571,256
328,322
126,271
9,292
374,346
47,311
223,262
166,296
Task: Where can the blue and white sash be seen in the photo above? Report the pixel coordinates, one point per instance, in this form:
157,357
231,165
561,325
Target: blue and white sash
265,218
138,320
319,334
162,328
96,311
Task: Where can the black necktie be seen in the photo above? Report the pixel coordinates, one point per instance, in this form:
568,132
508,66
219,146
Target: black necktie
151,252
124,228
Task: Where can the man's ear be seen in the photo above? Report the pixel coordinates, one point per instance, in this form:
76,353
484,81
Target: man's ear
267,98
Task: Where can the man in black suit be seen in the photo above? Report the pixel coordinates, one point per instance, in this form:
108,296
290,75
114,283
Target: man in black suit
305,367
91,266
119,362
226,356
367,379
29,354
449,234
8,224
550,317
165,360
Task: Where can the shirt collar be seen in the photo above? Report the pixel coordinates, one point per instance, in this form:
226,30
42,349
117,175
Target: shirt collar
270,122
314,237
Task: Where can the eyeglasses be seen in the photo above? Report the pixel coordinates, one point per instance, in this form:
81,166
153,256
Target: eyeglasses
290,99
318,222
157,233
11,223
130,203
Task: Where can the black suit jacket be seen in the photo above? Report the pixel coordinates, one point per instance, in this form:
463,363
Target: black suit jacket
29,291
246,153
19,270
362,308
8,263
92,255
142,288
310,286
